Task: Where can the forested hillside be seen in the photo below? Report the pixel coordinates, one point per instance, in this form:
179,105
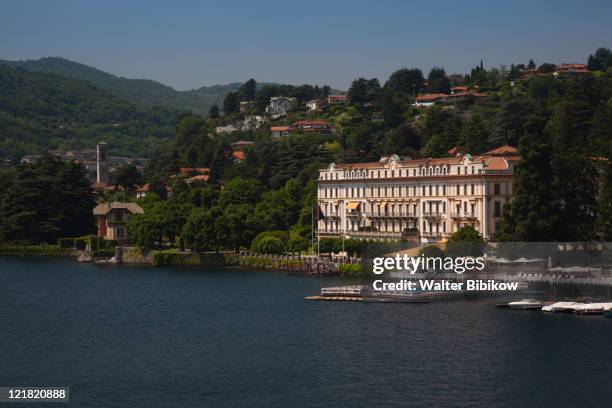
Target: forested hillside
40,111
142,91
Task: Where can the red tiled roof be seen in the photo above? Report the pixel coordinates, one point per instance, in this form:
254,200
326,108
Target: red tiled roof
238,155
280,128
431,97
201,177
496,163
316,122
188,170
243,143
143,189
502,151
496,159
571,66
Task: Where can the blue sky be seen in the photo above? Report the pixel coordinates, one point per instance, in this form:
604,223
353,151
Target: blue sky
188,44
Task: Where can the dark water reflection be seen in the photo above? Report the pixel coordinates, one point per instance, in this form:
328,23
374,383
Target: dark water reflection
143,337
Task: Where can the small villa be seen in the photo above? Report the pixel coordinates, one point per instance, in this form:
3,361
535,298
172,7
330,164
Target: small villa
111,219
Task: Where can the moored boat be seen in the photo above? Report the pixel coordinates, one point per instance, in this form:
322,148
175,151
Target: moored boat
527,304
562,307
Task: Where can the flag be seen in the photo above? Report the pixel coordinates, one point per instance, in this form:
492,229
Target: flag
320,215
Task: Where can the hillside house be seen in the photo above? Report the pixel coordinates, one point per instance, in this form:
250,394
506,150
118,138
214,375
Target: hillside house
316,105
312,126
280,105
280,131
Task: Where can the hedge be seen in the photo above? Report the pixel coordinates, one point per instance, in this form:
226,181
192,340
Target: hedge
350,269
35,250
174,258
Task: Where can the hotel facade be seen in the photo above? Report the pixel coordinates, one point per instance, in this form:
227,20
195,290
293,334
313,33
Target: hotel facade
420,199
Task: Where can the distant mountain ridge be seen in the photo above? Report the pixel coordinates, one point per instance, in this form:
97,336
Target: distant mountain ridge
142,91
41,111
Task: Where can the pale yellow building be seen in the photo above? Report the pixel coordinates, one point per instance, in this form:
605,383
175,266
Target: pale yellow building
428,198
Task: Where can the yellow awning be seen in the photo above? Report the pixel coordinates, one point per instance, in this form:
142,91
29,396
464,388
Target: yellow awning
383,205
353,205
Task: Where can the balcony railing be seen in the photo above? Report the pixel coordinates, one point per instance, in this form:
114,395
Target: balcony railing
433,214
464,215
397,214
374,234
364,234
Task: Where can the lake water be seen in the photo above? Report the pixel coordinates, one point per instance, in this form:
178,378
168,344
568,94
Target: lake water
153,337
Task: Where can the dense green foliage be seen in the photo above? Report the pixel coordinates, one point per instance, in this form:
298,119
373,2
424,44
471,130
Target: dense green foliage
45,201
562,183
46,111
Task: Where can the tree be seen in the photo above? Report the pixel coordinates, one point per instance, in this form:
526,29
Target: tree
297,244
441,128
127,176
527,217
247,90
271,245
363,91
406,81
403,140
531,64
145,231
438,81
235,226
604,210
201,231
475,135
231,103
601,61
218,162
574,177
546,68
44,201
510,122
213,112
240,191
77,199
465,242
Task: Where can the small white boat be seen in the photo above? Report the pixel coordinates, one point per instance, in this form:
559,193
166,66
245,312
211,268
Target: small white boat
527,304
562,307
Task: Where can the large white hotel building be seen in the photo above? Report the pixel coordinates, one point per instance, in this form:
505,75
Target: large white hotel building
428,198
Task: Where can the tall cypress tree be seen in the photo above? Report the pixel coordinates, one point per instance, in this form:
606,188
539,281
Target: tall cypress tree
527,217
574,180
604,208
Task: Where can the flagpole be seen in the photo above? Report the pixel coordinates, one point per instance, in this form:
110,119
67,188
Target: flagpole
312,230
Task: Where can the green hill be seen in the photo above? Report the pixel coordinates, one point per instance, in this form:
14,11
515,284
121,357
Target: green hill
142,91
40,111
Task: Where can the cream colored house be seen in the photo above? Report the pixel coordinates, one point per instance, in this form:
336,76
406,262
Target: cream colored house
431,197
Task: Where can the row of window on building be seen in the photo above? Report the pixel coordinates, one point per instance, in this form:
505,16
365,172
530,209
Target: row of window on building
423,171
405,191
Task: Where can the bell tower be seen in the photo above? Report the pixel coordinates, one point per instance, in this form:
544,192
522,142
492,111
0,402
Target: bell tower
102,163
